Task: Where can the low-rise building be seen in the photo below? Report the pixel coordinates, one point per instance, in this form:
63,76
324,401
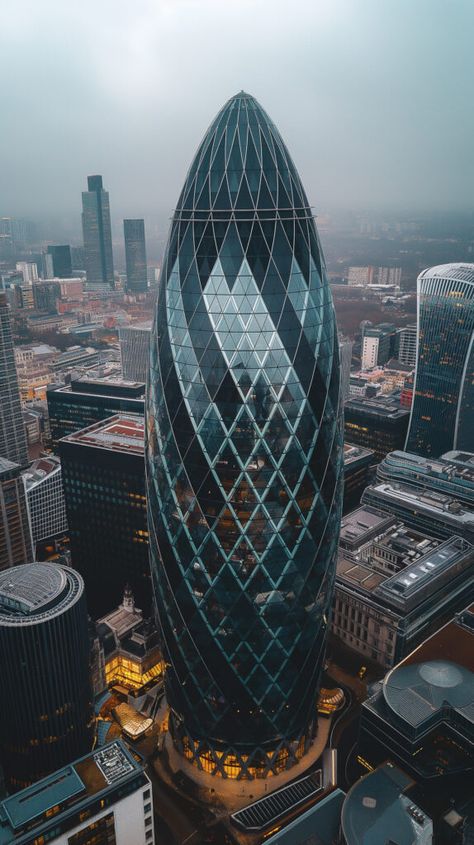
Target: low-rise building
395,585
104,797
452,473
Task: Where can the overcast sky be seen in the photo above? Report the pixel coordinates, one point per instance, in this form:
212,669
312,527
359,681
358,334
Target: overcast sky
374,98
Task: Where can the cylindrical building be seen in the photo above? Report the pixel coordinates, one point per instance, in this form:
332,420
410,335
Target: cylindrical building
244,453
443,397
46,714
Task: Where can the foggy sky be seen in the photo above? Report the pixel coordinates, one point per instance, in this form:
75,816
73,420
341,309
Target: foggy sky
373,97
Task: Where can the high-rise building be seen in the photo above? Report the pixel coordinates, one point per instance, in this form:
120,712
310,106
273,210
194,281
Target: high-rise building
86,401
104,486
29,270
135,351
345,357
135,255
104,798
97,233
45,499
407,345
12,431
15,534
58,262
360,276
444,376
378,345
47,717
377,423
244,453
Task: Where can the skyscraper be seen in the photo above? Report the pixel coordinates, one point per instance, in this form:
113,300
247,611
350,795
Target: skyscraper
58,262
244,453
135,351
135,255
445,361
15,533
47,716
97,233
12,431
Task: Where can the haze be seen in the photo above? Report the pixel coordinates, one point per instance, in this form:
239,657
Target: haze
374,98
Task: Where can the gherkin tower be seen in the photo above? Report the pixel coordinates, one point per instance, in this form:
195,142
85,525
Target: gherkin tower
244,453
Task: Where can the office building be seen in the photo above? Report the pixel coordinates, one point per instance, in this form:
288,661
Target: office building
46,296
135,351
452,473
422,508
15,534
97,233
135,256
12,431
104,487
378,423
29,271
421,715
89,400
345,357
389,277
104,798
395,588
440,415
357,473
47,717
378,345
58,262
407,345
381,805
45,499
245,462
360,276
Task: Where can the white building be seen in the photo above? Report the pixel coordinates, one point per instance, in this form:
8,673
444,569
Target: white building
45,498
104,797
135,351
29,270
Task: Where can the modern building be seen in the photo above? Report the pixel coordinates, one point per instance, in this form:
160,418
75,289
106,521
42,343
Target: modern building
97,233
89,400
45,499
135,256
135,351
440,418
58,262
379,424
104,798
378,345
46,296
129,648
245,459
15,534
29,270
407,345
47,716
12,431
422,508
104,487
451,474
379,809
345,357
357,473
394,589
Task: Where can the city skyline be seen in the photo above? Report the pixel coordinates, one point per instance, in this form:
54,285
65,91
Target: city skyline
381,113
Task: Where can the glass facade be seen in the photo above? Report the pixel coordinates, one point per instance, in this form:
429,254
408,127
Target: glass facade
135,255
97,232
244,453
444,366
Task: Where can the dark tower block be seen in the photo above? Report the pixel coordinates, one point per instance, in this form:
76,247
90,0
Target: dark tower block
244,453
47,716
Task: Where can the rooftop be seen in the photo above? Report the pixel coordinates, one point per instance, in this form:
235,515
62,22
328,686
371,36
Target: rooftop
461,271
378,406
376,809
39,470
355,453
33,592
424,498
120,433
420,691
364,522
70,788
6,466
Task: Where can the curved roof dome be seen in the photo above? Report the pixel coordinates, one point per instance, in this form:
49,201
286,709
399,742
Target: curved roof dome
420,690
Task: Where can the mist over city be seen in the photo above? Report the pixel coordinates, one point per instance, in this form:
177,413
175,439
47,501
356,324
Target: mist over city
236,422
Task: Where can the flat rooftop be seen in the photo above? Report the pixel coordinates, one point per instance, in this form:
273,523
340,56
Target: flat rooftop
355,453
424,498
387,407
362,522
120,433
69,788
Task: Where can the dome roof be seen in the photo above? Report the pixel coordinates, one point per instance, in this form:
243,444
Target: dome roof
418,691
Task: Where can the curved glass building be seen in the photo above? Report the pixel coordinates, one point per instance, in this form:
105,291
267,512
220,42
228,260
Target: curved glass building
244,453
47,718
443,389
